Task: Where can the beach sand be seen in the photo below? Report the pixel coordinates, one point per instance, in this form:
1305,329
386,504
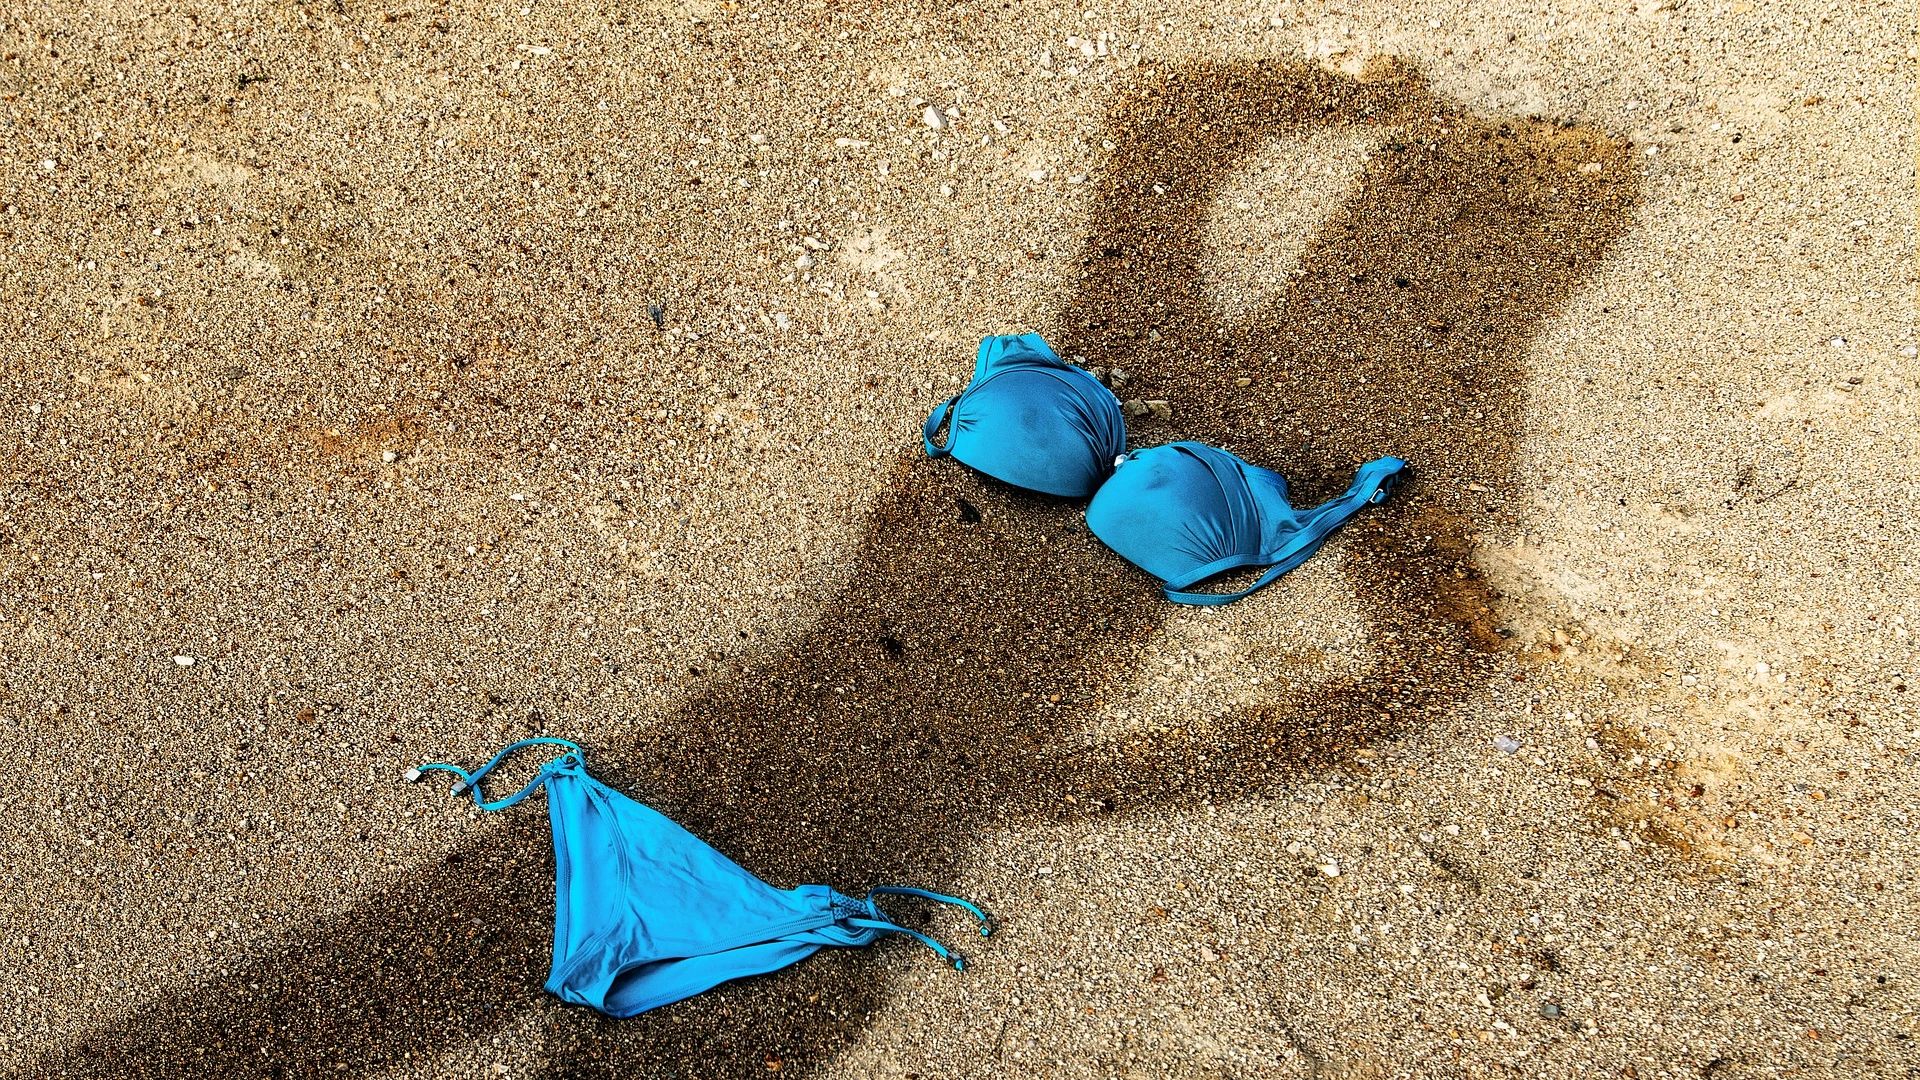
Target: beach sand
386,383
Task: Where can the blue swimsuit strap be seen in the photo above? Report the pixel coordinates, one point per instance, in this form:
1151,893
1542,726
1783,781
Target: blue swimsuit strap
470,781
887,926
1374,482
934,420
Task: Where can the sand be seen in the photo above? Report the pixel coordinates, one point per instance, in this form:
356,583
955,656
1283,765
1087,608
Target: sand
382,384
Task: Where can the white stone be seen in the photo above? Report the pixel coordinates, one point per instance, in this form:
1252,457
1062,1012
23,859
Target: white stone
934,118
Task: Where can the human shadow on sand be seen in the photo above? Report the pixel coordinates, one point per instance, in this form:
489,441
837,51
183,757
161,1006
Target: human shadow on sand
920,714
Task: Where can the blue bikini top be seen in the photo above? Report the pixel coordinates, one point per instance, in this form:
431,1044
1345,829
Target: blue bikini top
1032,419
647,914
1184,512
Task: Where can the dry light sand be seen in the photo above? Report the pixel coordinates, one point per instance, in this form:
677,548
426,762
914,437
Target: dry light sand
337,434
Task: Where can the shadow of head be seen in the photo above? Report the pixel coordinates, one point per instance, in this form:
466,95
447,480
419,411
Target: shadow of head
947,689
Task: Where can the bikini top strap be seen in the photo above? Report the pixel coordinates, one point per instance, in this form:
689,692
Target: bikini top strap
1175,593
470,781
938,417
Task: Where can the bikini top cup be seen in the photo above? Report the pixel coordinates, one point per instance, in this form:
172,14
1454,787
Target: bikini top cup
1032,419
1184,512
646,913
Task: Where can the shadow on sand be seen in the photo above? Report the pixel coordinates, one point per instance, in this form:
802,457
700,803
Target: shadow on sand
879,747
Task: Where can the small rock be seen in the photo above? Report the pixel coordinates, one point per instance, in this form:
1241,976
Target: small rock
658,314
1207,955
1549,1010
804,262
1910,351
1118,377
1243,382
968,512
1098,373
1506,745
1136,407
813,243
781,320
1331,869
389,456
934,118
757,139
1837,341
183,660
1160,410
